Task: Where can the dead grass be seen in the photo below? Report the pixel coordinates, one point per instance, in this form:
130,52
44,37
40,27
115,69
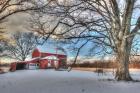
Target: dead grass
93,69
105,69
4,69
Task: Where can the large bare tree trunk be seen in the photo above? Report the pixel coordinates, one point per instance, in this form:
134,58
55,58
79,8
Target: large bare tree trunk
123,54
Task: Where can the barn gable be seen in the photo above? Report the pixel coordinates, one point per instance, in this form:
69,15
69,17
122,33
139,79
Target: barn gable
36,53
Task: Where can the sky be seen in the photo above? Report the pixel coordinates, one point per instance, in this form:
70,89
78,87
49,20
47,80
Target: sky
19,22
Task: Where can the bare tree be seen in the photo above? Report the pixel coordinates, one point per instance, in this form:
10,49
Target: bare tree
22,46
10,7
43,26
112,24
3,48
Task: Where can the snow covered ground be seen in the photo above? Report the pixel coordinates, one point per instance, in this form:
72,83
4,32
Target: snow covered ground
51,81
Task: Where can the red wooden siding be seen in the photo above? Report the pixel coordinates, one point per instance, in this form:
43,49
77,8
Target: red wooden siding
43,64
13,67
36,53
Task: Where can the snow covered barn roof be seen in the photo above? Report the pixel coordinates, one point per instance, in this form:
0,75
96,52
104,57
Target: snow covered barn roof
50,58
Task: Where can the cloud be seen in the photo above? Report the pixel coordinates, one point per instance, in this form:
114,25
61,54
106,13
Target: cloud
17,22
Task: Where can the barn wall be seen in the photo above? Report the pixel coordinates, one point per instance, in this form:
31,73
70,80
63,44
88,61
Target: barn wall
13,67
36,53
43,64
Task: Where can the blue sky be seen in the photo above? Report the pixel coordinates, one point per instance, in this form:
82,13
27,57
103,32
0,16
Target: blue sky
50,47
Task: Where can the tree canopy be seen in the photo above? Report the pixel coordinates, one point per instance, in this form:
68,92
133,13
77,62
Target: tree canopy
110,24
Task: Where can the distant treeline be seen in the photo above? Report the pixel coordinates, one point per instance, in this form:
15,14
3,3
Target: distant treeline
96,65
4,64
105,64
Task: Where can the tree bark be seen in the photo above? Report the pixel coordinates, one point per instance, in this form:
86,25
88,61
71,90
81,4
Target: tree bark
123,54
122,72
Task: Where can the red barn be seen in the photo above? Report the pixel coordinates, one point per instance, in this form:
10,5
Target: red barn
41,60
50,59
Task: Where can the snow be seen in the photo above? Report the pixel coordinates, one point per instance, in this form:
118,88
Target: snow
51,81
50,58
32,59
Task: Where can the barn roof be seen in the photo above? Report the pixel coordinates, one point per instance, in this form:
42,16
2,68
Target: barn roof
32,59
50,58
